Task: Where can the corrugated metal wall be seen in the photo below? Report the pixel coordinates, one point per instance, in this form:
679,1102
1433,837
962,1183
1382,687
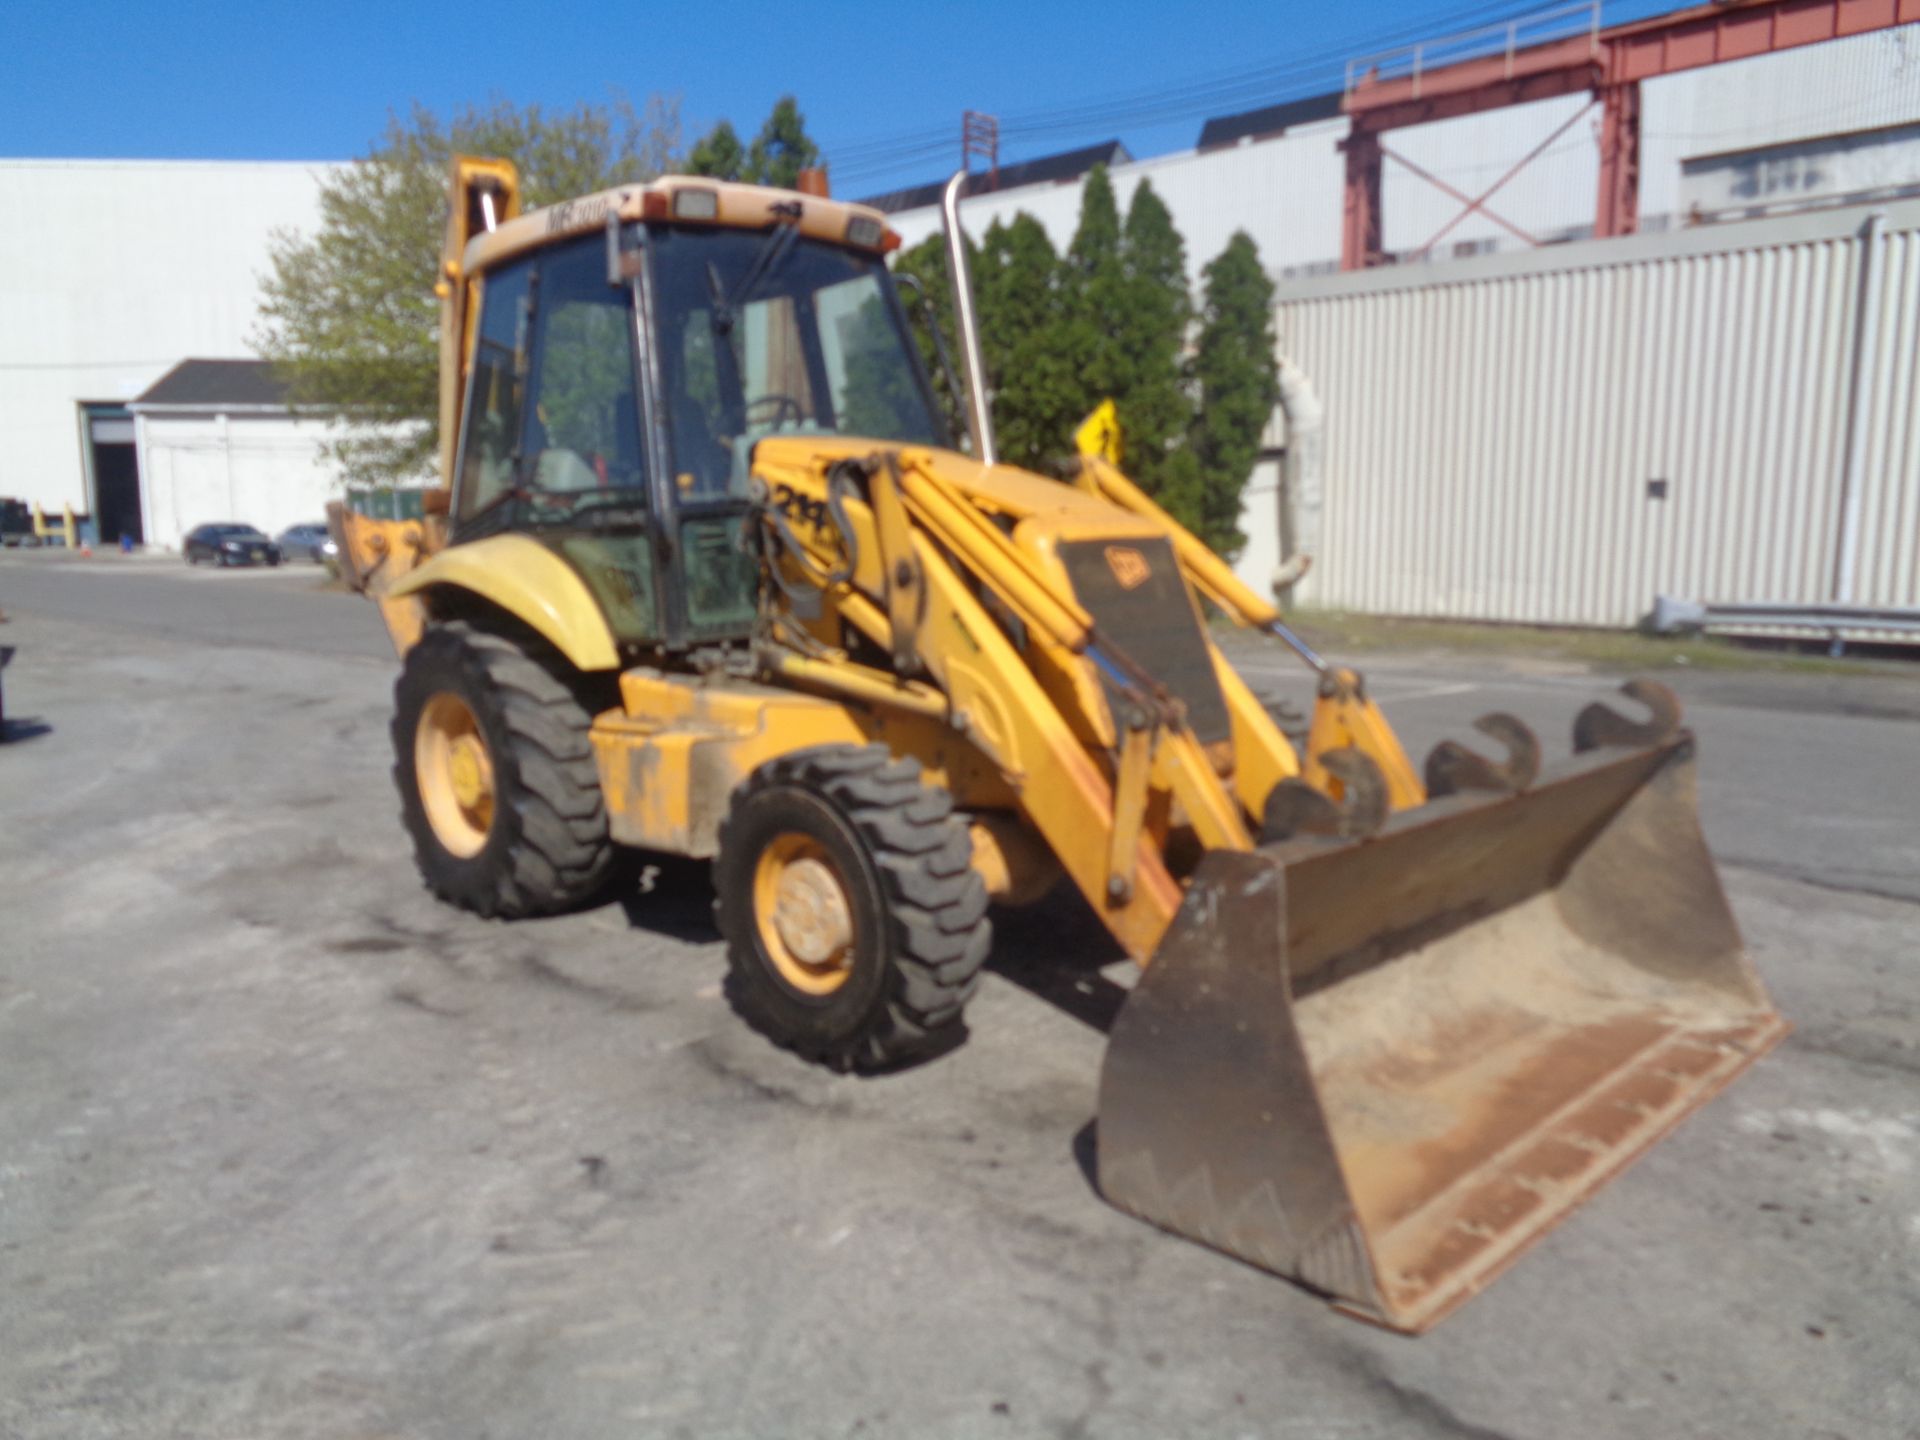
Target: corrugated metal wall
1889,557
1494,426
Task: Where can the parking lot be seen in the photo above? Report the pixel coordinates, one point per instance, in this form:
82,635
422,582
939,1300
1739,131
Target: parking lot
287,1149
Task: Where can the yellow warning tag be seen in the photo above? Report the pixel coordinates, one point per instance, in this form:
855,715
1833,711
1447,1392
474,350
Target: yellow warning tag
1099,433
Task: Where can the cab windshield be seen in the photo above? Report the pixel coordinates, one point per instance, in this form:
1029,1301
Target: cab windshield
768,332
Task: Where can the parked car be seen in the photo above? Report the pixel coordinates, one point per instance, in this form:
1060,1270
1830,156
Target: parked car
226,544
307,542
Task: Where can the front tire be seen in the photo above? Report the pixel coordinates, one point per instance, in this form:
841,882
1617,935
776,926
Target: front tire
497,779
855,923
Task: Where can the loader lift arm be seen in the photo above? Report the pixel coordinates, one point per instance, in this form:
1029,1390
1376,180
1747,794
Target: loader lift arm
1552,944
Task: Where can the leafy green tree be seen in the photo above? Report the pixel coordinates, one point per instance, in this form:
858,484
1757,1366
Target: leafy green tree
1238,385
348,312
585,377
782,150
719,154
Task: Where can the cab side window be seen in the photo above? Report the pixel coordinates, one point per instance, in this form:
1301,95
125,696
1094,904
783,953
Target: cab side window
581,431
496,384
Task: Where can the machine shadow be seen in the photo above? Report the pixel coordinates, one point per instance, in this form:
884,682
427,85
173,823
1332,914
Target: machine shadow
1055,950
669,895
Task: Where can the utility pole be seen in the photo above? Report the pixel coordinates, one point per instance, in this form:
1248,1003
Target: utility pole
980,135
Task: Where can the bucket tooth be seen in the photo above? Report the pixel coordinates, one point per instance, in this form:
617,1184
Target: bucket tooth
1600,726
1451,767
1295,808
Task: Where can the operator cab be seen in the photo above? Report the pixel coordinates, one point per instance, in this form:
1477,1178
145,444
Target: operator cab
619,379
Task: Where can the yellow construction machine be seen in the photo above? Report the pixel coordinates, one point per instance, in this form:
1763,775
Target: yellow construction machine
706,575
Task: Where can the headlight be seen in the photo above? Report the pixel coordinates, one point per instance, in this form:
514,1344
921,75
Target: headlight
696,204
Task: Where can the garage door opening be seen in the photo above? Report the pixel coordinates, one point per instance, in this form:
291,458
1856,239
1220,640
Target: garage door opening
113,474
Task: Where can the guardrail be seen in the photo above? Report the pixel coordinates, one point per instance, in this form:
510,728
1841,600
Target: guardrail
1540,28
1896,623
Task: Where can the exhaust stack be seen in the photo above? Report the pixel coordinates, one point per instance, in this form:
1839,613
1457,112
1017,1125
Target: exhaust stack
979,414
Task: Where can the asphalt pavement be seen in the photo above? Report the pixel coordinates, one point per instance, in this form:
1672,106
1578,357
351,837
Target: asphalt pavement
287,1149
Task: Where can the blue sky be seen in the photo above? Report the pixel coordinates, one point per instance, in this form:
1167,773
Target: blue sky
228,80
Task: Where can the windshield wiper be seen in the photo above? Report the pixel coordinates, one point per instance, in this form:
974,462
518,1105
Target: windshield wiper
501,504
495,506
772,251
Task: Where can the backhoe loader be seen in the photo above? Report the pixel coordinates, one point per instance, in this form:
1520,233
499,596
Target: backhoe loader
706,575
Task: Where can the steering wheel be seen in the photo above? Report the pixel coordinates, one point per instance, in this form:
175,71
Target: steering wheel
783,406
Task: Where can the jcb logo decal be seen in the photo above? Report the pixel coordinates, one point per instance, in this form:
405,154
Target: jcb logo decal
1129,566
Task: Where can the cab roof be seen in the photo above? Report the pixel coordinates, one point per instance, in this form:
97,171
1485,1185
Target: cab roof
684,200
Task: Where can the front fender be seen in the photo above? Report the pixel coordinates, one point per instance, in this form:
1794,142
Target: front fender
529,582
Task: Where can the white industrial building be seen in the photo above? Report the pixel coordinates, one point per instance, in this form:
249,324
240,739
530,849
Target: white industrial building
1829,123
217,440
111,273
1538,434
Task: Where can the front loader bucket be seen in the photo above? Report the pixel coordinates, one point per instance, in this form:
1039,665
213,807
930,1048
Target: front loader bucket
1385,1067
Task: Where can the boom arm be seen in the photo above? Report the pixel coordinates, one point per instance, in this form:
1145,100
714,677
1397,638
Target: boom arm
912,553
1344,718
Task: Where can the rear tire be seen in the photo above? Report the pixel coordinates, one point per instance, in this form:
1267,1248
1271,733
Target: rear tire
533,840
884,979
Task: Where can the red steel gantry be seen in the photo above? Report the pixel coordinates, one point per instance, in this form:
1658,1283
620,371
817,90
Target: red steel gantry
1609,63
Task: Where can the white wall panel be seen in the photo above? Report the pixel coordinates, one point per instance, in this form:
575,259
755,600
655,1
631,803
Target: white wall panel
1888,570
111,272
260,470
1492,425
1286,193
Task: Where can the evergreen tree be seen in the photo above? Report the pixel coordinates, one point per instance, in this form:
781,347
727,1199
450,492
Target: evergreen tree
1037,399
878,396
1093,294
1238,385
719,154
1148,336
926,263
1112,318
778,154
782,150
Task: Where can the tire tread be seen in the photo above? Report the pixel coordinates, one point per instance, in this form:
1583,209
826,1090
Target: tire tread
938,932
559,855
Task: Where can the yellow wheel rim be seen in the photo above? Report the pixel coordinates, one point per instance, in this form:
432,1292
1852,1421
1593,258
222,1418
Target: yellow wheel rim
804,914
455,774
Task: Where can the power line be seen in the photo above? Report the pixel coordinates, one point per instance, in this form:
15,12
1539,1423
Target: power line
1271,82
84,364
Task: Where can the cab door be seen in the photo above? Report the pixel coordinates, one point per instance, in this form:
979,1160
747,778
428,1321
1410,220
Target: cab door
553,446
